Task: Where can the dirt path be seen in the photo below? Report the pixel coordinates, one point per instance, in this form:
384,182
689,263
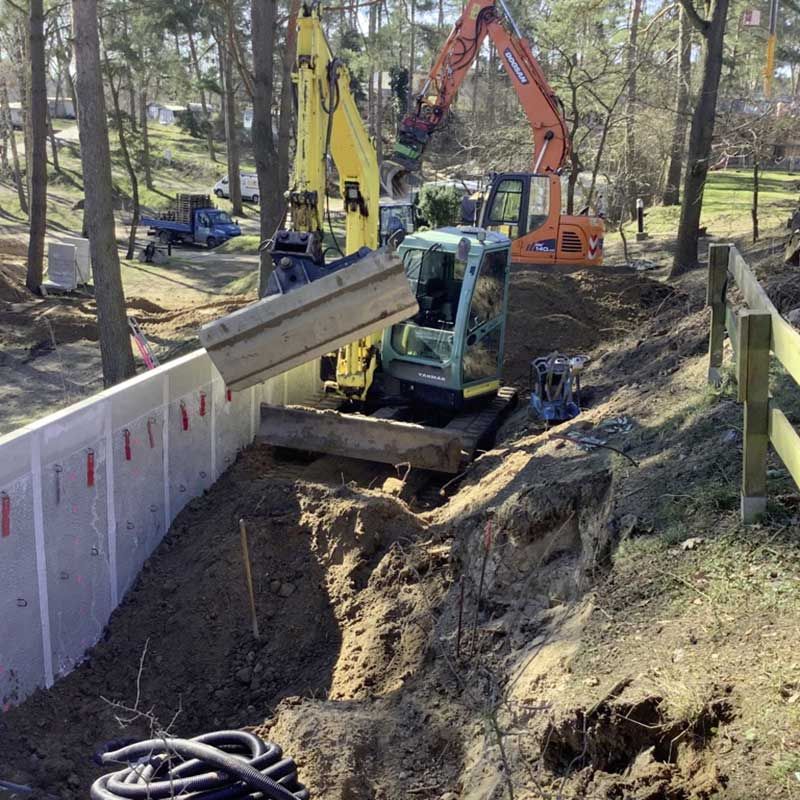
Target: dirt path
49,352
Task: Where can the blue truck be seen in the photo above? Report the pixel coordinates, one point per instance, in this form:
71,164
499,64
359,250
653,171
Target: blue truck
193,219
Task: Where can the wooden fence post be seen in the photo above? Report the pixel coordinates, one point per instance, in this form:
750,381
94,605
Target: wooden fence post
754,339
718,255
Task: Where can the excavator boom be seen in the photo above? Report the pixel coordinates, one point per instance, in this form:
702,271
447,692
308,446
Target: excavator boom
480,18
524,206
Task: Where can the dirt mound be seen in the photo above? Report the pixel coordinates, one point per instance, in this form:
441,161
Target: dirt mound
182,324
12,283
573,312
143,304
13,246
457,616
186,622
68,323
633,749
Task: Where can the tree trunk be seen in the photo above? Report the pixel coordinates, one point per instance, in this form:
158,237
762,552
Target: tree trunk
271,202
671,196
371,71
24,82
598,156
18,182
491,78
65,64
700,137
144,126
231,130
287,98
575,121
37,112
412,55
631,156
475,76
53,143
379,99
754,210
119,124
115,343
212,153
132,104
4,166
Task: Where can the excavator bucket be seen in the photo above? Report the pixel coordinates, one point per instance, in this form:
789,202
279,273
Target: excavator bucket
355,436
282,331
395,179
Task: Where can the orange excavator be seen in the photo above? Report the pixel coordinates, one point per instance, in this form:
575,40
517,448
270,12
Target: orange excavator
526,206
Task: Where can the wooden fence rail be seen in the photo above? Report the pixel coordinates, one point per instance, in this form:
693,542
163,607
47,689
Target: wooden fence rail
754,332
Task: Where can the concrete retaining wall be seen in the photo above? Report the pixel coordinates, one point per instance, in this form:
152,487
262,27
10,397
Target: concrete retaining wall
87,493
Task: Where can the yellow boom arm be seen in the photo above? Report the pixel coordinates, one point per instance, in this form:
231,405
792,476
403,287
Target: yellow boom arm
329,123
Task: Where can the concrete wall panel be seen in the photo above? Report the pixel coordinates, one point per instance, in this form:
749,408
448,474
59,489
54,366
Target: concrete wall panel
232,413
138,493
72,429
76,541
15,457
142,395
75,544
21,657
188,373
189,421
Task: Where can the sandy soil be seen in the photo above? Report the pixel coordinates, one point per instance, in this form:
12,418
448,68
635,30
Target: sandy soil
49,351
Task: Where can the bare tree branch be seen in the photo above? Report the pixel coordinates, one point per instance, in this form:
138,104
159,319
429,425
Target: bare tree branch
700,24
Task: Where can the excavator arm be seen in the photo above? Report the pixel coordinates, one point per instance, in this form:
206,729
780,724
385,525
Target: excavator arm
329,123
480,18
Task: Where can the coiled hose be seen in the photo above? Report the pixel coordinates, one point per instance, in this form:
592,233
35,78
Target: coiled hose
214,766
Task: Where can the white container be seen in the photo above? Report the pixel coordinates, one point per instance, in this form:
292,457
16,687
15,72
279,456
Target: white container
62,269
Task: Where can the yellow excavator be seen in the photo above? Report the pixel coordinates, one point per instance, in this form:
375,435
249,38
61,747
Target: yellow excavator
406,334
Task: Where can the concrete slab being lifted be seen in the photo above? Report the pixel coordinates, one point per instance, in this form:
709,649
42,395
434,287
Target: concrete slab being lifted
282,331
357,436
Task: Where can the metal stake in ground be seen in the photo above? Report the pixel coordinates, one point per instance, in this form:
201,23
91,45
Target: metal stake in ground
460,617
248,575
487,546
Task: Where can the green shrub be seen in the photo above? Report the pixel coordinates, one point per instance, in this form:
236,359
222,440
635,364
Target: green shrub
196,125
440,205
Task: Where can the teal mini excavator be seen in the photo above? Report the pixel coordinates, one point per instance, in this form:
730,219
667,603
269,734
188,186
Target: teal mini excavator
436,395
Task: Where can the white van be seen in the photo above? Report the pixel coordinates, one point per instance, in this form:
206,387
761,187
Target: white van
248,182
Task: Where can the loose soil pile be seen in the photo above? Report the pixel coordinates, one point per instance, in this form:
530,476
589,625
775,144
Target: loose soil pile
49,351
572,311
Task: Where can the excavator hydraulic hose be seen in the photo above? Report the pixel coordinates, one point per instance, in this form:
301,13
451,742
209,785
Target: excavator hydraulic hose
222,764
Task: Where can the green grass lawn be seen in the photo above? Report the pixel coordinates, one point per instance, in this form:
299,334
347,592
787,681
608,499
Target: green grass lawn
247,244
727,202
179,162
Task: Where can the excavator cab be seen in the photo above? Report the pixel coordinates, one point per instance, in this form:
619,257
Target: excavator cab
526,207
451,351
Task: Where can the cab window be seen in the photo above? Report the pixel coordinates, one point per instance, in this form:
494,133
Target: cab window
506,206
539,202
487,296
436,278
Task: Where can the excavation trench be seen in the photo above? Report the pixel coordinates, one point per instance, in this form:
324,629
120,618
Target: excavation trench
402,653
